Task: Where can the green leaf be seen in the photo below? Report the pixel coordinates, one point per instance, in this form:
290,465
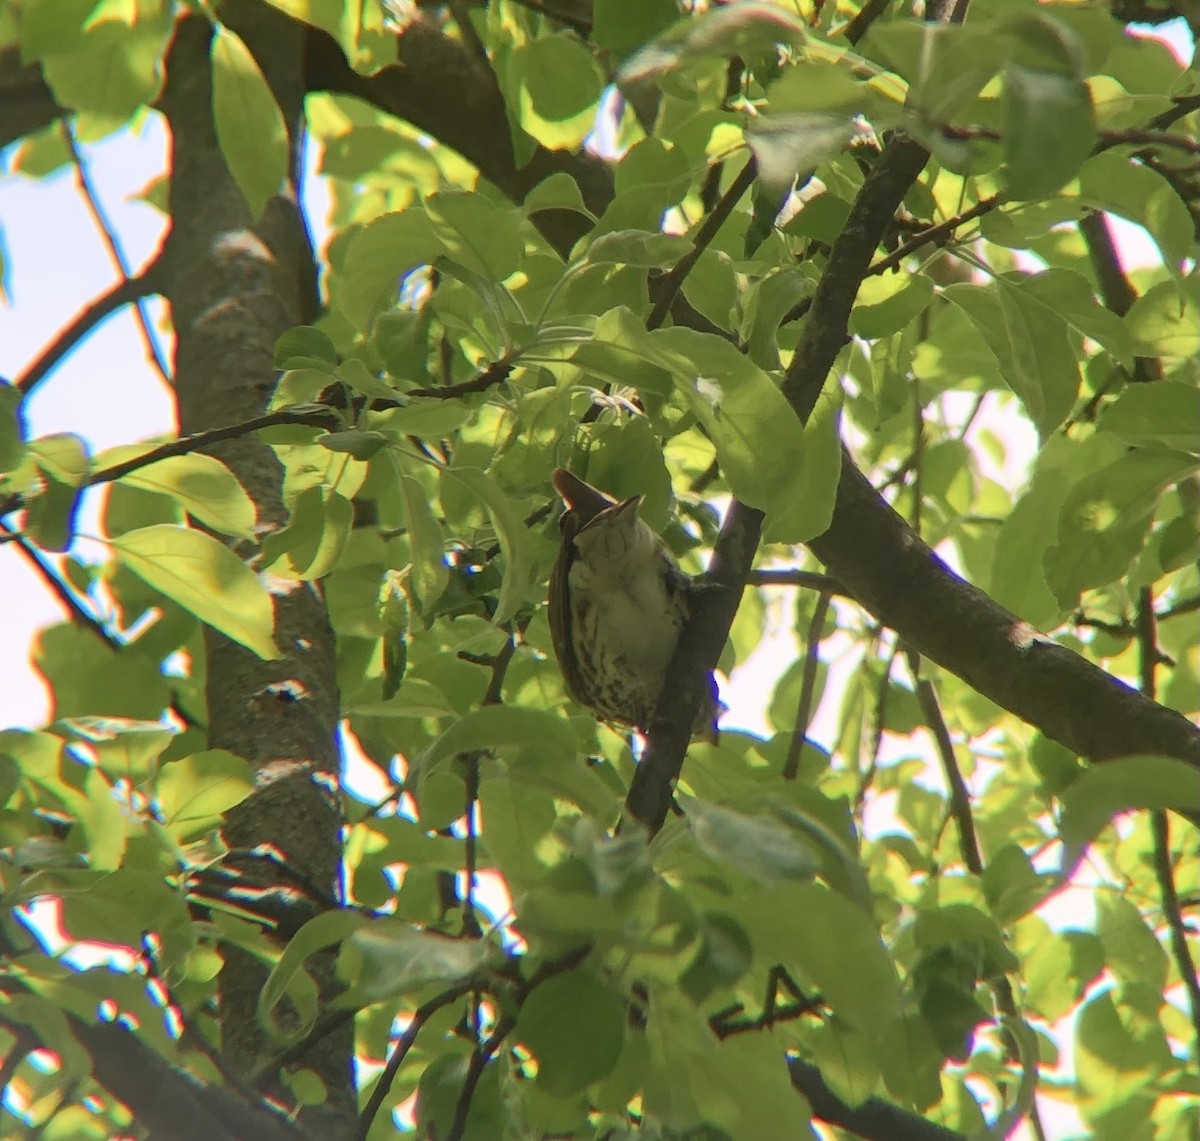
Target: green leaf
515,544
621,26
1030,344
575,1027
396,958
558,86
206,579
438,1093
1104,519
426,544
736,1088
1119,184
250,128
123,747
558,192
946,67
847,1060
1011,885
1049,130
1131,950
193,792
12,428
53,28
887,303
479,234
1069,296
819,469
115,68
1166,414
1049,123
309,547
377,259
785,145
1107,789
362,445
62,460
835,944
737,29
637,248
1119,1060
754,428
325,930
203,486
304,345
1018,580
106,823
762,847
520,821
495,726
1165,322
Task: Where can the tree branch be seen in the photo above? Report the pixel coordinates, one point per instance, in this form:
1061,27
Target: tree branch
808,686
65,595
824,334
122,293
1149,655
108,233
939,233
671,284
874,1118
198,440
403,1045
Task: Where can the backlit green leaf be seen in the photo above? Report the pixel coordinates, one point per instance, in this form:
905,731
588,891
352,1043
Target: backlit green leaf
205,578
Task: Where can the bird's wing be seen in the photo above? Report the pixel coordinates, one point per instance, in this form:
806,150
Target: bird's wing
559,603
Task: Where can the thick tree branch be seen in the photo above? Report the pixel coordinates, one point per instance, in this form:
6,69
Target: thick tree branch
875,1118
874,553
824,334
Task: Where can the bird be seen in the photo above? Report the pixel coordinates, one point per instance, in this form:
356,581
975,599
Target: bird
617,603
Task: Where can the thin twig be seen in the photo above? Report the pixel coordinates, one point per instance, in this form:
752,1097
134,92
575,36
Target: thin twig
939,233
1149,655
466,29
793,576
880,719
109,234
808,687
670,285
1187,606
960,795
184,445
122,293
968,839
405,1043
1183,106
478,1063
581,26
496,373
46,572
863,19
